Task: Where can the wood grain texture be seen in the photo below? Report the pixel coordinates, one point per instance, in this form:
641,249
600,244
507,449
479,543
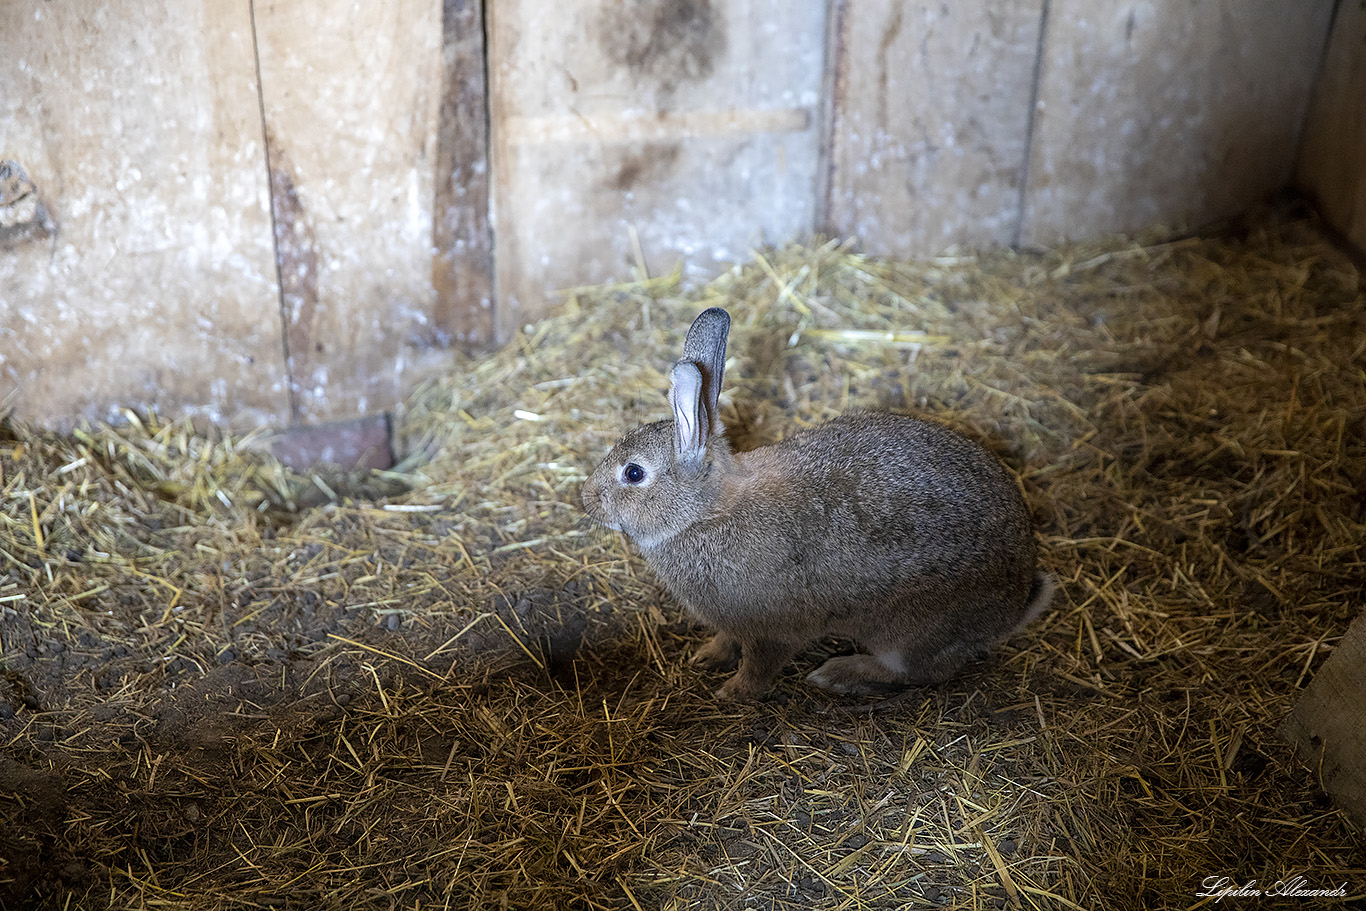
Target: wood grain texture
1328,724
1167,111
139,125
930,115
1332,162
351,94
690,125
462,269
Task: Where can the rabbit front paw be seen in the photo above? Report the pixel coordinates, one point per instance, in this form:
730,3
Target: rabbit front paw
721,653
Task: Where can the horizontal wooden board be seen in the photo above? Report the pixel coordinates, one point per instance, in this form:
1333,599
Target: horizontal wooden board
1166,111
139,127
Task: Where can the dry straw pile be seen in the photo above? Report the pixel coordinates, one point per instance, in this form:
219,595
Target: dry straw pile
228,686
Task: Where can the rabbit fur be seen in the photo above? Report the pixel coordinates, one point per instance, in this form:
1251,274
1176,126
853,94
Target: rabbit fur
897,533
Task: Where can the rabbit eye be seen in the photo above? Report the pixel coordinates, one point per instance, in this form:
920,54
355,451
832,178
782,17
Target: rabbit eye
633,473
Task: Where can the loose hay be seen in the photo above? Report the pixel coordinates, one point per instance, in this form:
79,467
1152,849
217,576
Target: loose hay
225,685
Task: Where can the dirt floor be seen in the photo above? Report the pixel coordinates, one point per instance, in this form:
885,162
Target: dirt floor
224,685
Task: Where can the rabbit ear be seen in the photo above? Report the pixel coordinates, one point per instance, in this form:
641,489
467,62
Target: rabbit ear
705,346
690,416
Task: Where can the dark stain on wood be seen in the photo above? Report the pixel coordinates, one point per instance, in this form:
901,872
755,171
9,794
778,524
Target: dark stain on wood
886,59
462,269
296,261
668,42
648,163
24,215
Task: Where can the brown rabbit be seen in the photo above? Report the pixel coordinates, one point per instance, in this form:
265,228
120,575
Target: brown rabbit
894,532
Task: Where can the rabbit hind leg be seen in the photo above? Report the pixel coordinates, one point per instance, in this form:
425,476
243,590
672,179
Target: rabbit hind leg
861,673
889,666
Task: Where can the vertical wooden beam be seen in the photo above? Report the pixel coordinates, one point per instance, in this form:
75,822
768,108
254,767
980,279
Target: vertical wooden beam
930,113
1332,157
1167,111
351,119
834,75
462,269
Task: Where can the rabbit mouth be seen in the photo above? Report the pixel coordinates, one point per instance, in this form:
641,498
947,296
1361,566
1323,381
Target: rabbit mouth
599,517
598,513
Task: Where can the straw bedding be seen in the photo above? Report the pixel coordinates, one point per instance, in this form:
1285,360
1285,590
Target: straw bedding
225,685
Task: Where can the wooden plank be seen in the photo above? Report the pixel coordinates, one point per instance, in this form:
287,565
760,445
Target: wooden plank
689,127
1332,162
140,128
1328,724
930,116
356,444
1166,111
351,94
462,270
659,126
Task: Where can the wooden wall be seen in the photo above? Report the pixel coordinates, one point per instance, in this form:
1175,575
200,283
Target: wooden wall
1332,164
140,129
276,212
243,204
350,93
668,131
1006,121
930,122
1155,112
